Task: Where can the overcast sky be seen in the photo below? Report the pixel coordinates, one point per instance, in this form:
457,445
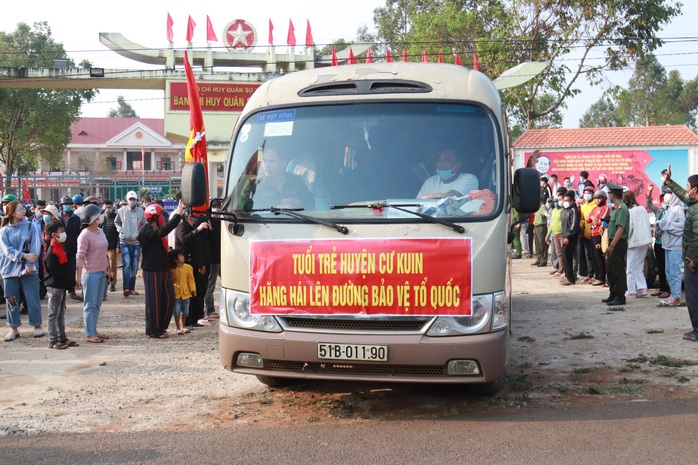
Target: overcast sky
144,22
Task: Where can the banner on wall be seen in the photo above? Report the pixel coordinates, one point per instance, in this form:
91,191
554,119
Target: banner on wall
362,277
634,169
212,96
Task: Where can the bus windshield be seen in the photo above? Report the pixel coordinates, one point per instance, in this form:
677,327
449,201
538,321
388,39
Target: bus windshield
438,159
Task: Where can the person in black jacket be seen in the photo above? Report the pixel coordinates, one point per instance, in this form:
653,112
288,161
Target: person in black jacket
71,223
112,234
59,276
159,289
570,236
215,249
193,240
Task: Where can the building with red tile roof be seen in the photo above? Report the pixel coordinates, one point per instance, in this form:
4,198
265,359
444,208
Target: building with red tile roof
628,156
107,157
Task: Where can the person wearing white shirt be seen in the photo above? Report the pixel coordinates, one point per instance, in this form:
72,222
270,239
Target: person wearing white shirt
448,180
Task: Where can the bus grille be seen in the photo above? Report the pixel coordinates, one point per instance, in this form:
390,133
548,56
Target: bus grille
411,325
349,368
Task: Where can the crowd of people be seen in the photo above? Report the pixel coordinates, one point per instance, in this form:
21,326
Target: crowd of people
54,250
600,235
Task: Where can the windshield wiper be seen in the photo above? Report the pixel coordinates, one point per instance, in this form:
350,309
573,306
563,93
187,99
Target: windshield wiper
294,212
402,207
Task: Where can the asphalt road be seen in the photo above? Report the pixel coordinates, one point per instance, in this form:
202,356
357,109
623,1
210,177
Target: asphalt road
660,432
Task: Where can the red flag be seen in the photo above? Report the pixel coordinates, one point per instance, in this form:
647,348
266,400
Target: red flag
291,38
210,34
271,33
476,67
388,56
404,54
369,58
196,147
308,35
352,58
334,57
190,29
441,58
424,57
458,59
170,34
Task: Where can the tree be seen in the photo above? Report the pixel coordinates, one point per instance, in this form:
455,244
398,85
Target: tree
125,110
652,98
562,33
35,123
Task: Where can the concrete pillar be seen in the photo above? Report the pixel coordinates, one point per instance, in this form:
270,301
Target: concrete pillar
124,161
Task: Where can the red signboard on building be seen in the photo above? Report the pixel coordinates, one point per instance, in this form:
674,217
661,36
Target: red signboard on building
214,96
362,277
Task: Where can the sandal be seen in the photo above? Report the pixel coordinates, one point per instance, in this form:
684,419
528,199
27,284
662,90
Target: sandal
101,336
186,330
204,322
690,336
11,336
179,332
212,316
566,283
58,345
38,332
70,343
94,339
134,293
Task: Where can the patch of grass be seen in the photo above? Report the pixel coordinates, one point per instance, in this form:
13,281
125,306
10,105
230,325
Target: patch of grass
313,420
524,365
630,367
581,335
526,339
561,388
654,331
669,374
683,379
639,359
543,363
265,400
594,391
581,371
626,389
616,309
521,400
672,362
519,383
632,381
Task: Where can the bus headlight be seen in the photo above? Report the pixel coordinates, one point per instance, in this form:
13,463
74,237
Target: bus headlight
237,310
459,325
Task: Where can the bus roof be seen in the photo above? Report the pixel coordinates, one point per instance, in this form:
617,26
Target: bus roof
443,81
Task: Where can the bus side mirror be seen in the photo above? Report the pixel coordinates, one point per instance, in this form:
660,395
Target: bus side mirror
194,184
526,190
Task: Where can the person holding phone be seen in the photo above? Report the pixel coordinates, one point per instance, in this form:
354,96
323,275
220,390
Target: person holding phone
689,196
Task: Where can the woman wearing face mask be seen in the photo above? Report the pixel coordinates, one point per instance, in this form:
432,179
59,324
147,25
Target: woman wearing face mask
639,237
555,236
448,181
587,263
20,245
672,223
92,269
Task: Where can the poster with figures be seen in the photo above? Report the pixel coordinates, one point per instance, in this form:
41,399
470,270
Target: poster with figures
634,169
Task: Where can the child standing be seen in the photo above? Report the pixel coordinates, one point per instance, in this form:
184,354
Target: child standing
184,286
60,276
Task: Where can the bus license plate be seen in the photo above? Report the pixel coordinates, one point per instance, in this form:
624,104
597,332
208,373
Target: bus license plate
352,352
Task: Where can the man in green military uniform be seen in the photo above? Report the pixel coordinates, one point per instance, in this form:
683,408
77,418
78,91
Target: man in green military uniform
616,252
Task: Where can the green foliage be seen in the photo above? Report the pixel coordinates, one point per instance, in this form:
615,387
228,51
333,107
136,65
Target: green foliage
505,33
35,123
125,110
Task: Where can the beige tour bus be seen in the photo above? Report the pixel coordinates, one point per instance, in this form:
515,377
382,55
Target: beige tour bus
366,227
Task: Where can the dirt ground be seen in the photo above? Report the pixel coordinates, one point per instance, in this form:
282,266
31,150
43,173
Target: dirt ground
567,348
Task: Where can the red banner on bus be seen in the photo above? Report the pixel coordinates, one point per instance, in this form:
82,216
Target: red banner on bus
362,277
